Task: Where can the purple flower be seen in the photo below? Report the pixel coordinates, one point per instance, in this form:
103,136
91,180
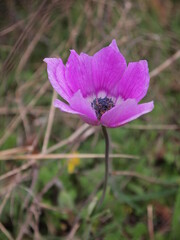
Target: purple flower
101,89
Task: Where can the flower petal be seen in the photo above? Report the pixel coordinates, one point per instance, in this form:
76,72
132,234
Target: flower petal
92,74
83,107
79,73
114,46
64,107
79,105
125,112
108,66
56,69
135,81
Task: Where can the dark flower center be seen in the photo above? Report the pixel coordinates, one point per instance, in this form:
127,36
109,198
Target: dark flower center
101,105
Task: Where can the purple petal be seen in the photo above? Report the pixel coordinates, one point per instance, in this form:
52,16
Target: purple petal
108,66
125,112
56,69
79,73
64,107
83,107
92,74
79,105
135,81
114,45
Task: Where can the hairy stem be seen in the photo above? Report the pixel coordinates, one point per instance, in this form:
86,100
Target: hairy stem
106,165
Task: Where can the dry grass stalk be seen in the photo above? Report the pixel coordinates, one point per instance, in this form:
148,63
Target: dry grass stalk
62,156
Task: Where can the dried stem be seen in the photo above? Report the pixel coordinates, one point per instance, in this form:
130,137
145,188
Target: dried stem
41,156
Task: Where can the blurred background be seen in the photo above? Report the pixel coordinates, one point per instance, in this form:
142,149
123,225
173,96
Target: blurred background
53,196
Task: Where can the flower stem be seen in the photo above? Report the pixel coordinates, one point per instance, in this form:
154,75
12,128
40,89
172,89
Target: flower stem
105,133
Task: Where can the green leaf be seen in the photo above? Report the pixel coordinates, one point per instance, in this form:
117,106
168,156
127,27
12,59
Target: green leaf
92,206
176,218
65,200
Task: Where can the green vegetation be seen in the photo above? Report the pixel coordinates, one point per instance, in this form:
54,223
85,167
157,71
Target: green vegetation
42,199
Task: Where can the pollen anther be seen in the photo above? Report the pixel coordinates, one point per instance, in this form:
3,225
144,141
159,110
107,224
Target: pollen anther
102,105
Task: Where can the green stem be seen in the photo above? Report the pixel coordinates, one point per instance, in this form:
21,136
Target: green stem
106,165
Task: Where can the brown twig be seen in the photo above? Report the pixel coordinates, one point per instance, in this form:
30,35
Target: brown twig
30,163
16,120
9,60
62,156
70,139
11,28
30,110
17,170
7,191
23,115
33,43
165,64
150,221
18,150
50,123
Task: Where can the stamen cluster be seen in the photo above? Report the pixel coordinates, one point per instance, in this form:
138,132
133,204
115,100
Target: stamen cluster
101,105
